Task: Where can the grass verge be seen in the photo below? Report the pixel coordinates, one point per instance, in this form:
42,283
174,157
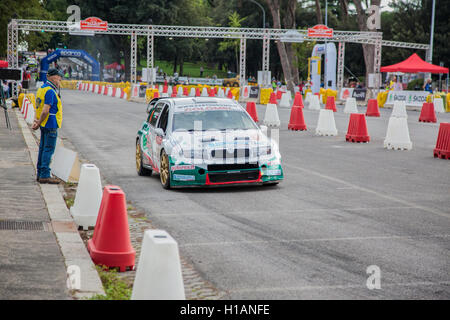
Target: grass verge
115,288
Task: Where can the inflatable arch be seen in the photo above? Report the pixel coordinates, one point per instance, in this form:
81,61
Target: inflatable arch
330,76
80,54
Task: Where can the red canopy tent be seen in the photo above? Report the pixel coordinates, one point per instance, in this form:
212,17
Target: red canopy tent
114,66
414,64
3,64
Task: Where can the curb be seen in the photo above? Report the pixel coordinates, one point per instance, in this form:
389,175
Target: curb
64,227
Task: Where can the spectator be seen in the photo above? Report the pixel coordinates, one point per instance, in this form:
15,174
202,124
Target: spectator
427,86
201,71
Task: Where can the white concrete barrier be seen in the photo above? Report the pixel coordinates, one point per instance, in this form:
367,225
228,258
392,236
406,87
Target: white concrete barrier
326,126
271,118
158,274
65,164
180,91
88,197
399,110
307,99
204,92
285,100
118,92
314,103
221,93
192,92
439,105
110,91
397,135
169,91
350,106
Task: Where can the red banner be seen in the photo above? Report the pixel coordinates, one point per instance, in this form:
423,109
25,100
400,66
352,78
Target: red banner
320,31
94,23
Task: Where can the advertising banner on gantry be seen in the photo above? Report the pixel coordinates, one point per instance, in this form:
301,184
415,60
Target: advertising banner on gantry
411,98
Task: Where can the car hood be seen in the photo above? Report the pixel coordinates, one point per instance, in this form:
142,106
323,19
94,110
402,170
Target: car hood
201,140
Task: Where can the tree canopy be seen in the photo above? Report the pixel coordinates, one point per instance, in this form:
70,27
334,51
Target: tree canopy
409,21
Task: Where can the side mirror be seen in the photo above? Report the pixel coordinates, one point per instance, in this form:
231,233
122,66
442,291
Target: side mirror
159,132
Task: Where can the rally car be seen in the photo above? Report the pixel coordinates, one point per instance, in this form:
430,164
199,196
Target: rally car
205,141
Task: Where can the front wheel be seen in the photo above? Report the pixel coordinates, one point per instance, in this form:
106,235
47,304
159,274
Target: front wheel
164,171
139,163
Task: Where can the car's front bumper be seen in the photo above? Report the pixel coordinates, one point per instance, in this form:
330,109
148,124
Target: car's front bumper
191,176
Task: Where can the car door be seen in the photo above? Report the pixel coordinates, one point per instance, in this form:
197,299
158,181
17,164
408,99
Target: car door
162,124
145,142
151,133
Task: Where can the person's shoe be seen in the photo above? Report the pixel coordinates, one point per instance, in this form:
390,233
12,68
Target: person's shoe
49,180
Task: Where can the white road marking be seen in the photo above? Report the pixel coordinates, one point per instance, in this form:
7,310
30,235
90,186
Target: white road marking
243,213
349,286
385,237
378,194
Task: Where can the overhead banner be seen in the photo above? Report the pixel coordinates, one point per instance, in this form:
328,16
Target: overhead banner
411,98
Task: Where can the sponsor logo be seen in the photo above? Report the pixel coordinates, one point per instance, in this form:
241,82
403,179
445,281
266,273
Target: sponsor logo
183,167
320,31
93,23
276,172
183,177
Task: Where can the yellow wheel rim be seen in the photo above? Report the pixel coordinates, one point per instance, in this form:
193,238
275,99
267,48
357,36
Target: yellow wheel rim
138,157
164,169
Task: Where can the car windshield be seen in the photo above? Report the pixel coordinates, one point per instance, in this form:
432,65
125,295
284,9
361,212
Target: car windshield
212,120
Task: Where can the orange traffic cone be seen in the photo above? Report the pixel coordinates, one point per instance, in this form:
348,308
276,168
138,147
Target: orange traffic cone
427,113
297,121
110,244
273,98
298,100
357,128
372,108
442,149
251,109
331,104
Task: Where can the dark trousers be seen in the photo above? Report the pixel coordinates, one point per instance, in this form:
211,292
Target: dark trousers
46,149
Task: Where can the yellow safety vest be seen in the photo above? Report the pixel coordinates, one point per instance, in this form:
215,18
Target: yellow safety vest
40,101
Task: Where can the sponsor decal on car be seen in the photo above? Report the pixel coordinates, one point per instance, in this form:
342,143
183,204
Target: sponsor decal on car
183,167
183,177
275,172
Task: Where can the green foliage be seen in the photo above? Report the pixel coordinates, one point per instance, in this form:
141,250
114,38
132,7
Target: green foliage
414,83
115,288
303,52
23,9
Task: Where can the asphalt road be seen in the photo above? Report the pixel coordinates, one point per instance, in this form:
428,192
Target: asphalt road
342,208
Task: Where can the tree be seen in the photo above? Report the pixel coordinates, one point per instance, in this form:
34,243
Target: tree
232,45
369,50
289,23
23,9
274,6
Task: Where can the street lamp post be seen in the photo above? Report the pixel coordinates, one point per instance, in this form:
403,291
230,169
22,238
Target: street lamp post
264,12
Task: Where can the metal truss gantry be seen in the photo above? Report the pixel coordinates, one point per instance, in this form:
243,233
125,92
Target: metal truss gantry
150,31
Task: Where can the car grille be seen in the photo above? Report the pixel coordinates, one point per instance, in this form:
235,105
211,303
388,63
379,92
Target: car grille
216,177
232,166
234,153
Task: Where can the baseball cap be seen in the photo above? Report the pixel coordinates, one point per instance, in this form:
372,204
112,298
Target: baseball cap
54,72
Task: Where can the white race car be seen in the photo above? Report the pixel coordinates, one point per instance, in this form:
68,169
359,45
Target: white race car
205,141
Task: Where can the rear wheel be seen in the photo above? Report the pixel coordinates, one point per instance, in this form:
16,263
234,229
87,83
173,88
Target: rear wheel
164,170
139,163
